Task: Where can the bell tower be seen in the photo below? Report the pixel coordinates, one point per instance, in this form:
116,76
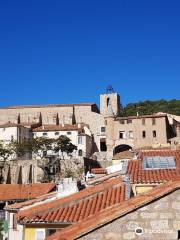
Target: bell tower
110,103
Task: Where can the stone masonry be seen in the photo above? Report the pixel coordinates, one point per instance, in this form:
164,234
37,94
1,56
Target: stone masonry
158,220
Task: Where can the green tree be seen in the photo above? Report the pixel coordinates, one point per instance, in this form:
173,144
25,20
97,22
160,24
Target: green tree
40,145
20,148
151,107
5,151
63,144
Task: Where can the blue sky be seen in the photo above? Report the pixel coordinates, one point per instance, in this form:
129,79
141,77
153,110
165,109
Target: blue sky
69,51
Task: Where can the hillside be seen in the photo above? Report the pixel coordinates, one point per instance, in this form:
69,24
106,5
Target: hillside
150,107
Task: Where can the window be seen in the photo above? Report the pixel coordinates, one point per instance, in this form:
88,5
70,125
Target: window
14,221
44,153
143,121
154,134
122,134
121,121
56,133
49,232
103,147
178,234
143,134
103,129
153,121
129,121
159,162
40,234
80,152
44,133
108,99
68,133
79,140
131,134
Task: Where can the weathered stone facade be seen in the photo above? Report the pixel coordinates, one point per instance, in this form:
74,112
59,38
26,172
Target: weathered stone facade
157,220
105,125
22,172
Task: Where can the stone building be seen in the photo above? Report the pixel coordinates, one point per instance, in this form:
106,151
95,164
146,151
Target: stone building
153,215
149,169
110,132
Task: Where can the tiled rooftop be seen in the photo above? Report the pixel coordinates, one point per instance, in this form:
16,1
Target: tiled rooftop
109,214
98,171
143,116
139,175
124,155
78,206
24,191
66,127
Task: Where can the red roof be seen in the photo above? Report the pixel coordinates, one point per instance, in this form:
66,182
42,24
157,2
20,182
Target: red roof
109,214
24,191
139,175
51,127
98,170
78,206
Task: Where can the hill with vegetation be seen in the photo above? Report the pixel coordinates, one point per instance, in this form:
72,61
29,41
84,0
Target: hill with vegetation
150,107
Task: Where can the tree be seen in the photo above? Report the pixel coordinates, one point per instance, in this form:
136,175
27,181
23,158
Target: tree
63,144
5,151
150,107
40,145
20,148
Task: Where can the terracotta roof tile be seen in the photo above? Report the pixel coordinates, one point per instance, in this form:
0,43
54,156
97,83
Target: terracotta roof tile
109,214
53,127
98,171
77,207
24,191
139,175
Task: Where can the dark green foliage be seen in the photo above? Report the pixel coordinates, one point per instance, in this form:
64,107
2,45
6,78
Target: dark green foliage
20,148
5,151
40,144
64,145
150,107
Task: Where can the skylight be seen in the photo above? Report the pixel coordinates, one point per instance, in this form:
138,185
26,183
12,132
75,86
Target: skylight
159,162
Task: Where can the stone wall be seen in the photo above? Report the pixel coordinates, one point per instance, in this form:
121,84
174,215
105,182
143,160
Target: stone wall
158,220
22,171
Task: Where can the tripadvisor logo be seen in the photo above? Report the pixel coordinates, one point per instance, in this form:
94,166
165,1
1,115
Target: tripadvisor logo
139,231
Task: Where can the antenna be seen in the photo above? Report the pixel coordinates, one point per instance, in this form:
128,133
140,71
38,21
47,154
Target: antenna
109,89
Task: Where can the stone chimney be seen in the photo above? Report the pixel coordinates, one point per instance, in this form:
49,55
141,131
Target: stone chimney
66,186
128,189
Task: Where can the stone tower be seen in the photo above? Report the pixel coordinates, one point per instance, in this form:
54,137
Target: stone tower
110,103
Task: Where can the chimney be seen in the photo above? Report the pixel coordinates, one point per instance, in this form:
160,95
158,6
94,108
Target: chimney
79,125
66,186
128,189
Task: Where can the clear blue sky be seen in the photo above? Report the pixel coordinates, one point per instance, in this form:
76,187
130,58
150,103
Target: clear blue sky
69,51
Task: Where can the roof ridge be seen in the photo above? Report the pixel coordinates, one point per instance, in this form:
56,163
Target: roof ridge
71,200
113,212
